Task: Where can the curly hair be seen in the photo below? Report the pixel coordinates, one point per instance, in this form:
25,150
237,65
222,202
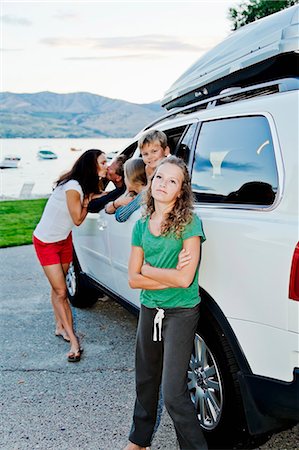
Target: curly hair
182,211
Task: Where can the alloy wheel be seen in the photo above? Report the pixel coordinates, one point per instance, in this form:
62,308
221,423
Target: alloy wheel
71,280
205,385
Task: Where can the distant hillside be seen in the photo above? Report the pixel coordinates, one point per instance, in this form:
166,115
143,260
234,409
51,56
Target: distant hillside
76,115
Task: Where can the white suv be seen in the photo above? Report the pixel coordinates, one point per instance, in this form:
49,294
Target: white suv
241,147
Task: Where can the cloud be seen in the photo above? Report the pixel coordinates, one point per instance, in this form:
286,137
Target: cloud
15,20
115,57
147,43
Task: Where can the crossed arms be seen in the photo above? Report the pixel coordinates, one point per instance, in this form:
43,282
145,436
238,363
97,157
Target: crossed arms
144,276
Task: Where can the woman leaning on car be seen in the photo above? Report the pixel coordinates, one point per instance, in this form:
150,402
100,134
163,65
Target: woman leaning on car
52,238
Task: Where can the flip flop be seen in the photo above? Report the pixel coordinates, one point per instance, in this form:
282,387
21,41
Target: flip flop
75,356
63,335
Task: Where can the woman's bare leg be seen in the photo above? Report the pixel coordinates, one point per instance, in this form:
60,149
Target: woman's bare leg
59,329
62,311
59,326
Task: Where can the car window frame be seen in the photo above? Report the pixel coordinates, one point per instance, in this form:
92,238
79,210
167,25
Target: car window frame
186,124
278,159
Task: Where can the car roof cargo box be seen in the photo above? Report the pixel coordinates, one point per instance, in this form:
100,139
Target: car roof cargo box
263,50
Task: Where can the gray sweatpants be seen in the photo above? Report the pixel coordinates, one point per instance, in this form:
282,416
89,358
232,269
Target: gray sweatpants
166,362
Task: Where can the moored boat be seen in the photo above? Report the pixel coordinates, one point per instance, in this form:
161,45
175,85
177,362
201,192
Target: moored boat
46,154
10,162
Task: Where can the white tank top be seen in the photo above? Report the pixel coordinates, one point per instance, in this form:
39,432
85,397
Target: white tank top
56,222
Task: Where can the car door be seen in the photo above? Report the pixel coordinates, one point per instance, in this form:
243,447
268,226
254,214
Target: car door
92,247
120,244
235,182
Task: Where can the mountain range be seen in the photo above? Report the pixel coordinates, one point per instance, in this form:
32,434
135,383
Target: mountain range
74,115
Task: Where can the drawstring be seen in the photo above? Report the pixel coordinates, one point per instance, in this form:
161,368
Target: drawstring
158,323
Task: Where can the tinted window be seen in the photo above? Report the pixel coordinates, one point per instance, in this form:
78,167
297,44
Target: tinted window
235,162
185,144
174,136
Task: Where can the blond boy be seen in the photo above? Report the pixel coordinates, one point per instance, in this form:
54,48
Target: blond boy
153,148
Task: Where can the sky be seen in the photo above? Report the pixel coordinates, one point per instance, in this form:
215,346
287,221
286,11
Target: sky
129,50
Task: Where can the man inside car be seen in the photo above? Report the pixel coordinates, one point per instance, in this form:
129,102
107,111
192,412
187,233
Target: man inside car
115,173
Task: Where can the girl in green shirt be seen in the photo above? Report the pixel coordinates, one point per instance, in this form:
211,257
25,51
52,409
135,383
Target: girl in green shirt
169,305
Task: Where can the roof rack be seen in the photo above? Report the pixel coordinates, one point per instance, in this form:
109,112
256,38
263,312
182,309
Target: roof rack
233,95
257,50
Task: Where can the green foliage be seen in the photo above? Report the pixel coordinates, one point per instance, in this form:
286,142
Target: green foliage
18,219
252,10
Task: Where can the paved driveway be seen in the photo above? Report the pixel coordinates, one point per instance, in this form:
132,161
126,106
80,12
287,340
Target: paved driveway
48,403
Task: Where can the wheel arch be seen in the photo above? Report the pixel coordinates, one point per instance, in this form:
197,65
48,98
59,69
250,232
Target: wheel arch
81,294
211,313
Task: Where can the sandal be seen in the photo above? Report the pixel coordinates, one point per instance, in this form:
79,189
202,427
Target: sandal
75,356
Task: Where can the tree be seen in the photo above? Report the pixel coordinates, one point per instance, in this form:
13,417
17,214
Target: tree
252,10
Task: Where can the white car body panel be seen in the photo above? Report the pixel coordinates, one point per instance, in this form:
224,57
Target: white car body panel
278,350
93,251
120,243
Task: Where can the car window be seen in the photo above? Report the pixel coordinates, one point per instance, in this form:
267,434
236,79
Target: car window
183,148
179,141
174,136
131,150
235,162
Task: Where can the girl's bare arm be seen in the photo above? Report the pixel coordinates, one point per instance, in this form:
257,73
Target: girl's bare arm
136,280
78,211
184,258
124,200
182,277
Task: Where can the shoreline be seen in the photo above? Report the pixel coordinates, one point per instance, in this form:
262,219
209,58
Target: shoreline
7,198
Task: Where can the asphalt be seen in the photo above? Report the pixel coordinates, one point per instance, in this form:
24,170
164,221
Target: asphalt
48,403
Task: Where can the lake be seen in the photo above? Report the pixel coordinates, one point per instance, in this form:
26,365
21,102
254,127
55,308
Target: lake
43,173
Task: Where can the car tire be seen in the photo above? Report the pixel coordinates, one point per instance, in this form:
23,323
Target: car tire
215,392
80,293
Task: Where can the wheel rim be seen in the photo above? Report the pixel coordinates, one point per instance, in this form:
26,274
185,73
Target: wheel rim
205,385
71,280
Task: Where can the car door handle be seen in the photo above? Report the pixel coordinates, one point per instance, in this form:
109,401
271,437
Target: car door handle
102,223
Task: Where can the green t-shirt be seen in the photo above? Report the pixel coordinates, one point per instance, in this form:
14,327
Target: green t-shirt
162,252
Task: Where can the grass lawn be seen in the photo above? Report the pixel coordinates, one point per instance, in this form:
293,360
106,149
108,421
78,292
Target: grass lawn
18,219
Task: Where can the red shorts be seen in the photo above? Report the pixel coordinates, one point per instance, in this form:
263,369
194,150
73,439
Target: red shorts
50,253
